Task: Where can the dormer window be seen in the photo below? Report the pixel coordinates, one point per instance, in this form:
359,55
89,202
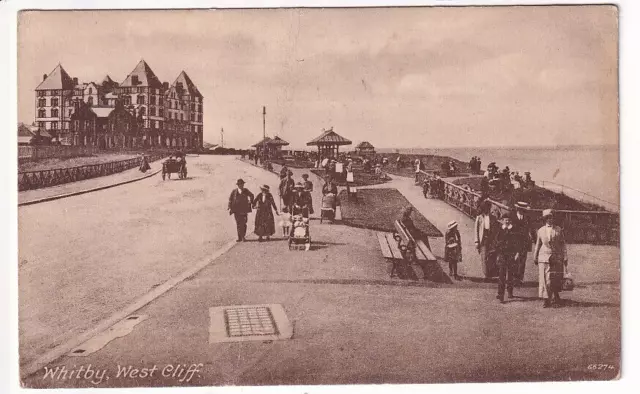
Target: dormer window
134,80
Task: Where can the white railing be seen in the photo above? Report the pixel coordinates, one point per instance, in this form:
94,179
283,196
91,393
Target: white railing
579,195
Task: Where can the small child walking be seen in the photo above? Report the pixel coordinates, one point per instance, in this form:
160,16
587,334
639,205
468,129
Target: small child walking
285,221
453,248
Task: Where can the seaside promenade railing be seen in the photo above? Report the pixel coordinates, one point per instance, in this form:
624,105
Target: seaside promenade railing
29,180
579,195
580,227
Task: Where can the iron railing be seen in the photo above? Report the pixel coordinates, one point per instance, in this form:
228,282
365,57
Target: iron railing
580,227
29,180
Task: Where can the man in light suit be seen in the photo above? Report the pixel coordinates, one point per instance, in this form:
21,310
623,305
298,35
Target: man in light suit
240,205
550,255
486,227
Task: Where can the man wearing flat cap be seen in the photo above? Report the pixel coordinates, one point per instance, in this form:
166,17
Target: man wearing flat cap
522,224
240,202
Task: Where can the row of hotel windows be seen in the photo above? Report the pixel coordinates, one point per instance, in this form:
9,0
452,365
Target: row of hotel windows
155,124
42,113
173,104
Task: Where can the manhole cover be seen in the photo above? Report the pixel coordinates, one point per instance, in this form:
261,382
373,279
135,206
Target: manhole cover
248,323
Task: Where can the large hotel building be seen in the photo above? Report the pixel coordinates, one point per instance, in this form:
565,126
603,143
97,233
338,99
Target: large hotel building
139,112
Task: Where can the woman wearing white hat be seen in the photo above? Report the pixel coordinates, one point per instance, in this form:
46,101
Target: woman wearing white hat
453,248
550,255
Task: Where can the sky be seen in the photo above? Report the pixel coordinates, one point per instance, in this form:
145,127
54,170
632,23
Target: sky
427,77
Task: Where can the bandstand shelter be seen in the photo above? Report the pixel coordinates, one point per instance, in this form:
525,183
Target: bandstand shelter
270,147
328,143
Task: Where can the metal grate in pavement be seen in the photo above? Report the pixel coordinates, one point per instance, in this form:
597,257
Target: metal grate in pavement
249,321
240,323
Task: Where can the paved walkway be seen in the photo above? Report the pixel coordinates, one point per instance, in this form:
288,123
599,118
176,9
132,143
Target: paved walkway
28,196
352,324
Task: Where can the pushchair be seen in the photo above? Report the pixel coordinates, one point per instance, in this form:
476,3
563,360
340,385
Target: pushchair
328,210
299,237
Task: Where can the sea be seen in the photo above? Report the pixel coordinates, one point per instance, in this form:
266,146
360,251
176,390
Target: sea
589,170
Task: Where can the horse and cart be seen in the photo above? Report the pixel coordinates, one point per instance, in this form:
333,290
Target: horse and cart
175,164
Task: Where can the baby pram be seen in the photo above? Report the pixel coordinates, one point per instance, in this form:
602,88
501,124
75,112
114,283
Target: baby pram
328,210
299,237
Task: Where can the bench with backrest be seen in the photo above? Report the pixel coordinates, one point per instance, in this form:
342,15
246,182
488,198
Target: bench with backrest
401,246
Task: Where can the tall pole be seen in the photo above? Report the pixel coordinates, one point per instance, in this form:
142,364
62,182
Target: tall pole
264,131
222,137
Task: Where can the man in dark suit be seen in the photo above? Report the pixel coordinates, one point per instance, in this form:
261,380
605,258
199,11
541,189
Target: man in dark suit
505,244
522,224
240,206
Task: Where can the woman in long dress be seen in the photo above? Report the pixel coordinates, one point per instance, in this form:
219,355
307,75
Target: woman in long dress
265,223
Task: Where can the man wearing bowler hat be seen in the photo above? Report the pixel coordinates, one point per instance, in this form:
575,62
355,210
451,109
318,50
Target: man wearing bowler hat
240,205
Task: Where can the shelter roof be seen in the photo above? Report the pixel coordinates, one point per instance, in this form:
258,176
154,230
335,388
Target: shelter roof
329,137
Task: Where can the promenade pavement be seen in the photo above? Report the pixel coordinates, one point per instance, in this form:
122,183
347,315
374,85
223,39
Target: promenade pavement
83,258
29,196
352,324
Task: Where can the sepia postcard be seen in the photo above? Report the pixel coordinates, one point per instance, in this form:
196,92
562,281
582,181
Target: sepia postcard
318,196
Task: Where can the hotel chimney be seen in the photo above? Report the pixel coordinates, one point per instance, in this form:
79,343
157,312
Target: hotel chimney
44,76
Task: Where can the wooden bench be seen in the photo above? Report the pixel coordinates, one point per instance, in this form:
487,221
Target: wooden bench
400,245
417,250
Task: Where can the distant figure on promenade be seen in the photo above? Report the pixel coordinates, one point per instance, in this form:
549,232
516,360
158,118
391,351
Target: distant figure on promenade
330,187
301,201
550,255
425,188
144,166
418,165
265,225
522,224
240,202
453,248
308,185
407,222
505,246
285,221
486,226
285,189
283,172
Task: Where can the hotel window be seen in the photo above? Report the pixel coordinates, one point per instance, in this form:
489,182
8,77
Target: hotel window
42,102
140,99
42,113
90,90
181,116
143,111
54,125
160,112
40,93
90,100
152,100
54,113
54,102
41,125
160,100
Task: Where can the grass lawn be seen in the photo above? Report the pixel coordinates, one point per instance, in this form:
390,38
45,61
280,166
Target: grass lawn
50,164
377,209
360,178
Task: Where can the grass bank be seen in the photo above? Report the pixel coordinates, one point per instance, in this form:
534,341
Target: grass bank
377,209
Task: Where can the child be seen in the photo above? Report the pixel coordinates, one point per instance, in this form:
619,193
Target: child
285,221
453,249
425,188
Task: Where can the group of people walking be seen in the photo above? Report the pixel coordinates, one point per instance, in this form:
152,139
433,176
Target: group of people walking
295,200
504,243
